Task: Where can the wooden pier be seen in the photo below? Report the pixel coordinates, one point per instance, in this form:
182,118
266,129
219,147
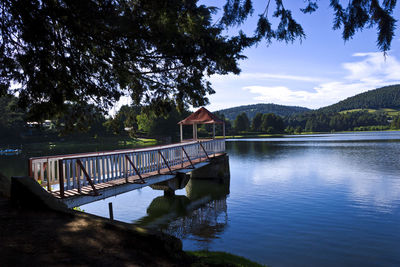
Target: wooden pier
78,179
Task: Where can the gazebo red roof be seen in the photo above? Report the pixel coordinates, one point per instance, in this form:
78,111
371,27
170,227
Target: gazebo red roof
201,116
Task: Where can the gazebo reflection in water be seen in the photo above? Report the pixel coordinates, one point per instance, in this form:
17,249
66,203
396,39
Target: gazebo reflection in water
201,215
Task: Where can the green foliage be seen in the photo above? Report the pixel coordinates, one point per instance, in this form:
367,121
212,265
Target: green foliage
218,129
256,122
395,124
78,52
385,97
289,130
325,122
252,110
78,209
12,118
242,122
272,124
216,258
354,17
161,126
124,120
372,128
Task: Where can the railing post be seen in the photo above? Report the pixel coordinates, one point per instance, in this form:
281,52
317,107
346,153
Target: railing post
182,157
61,177
126,167
30,168
78,177
158,163
48,174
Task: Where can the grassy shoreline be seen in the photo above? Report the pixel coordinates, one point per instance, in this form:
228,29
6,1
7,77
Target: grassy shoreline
252,135
219,258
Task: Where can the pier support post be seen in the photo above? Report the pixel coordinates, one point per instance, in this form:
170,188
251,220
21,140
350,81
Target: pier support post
110,210
218,169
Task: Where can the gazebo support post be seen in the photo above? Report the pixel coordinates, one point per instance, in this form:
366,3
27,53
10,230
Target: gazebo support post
181,132
213,130
223,129
194,131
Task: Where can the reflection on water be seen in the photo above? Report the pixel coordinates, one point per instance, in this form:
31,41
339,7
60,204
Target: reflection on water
203,225
201,215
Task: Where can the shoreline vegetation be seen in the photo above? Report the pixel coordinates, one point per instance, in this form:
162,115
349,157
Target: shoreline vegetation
376,110
263,135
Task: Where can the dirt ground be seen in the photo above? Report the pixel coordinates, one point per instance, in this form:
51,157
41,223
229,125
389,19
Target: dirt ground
48,238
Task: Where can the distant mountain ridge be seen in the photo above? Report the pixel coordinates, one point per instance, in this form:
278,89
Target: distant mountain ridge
252,110
380,98
384,97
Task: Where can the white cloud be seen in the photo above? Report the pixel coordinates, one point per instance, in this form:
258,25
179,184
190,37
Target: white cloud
273,76
373,71
265,76
374,66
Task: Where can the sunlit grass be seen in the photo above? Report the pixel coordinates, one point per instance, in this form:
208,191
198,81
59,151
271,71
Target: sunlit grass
250,135
387,111
210,258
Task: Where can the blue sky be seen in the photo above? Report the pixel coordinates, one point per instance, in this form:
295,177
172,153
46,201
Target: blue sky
319,71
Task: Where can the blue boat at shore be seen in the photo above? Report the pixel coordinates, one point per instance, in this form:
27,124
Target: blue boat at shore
10,151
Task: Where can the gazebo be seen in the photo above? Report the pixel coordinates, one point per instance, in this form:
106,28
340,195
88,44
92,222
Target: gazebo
201,116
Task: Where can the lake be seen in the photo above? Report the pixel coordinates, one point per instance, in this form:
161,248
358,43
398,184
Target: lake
309,200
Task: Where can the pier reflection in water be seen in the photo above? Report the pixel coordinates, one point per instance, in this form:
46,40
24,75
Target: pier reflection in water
201,215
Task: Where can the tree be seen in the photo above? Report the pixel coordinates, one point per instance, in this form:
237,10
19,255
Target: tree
154,125
272,123
63,52
356,16
124,119
395,124
12,119
241,122
256,123
80,52
298,130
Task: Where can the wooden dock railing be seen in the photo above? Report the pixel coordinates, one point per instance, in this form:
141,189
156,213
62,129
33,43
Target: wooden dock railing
66,172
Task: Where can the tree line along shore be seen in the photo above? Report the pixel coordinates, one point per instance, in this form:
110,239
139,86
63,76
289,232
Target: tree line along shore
136,125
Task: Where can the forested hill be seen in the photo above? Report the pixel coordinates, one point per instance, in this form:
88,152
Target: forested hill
252,110
385,97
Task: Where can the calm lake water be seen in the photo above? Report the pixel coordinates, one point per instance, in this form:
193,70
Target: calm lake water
317,200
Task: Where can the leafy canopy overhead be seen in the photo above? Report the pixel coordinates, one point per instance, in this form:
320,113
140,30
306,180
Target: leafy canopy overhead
354,16
54,53
64,51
